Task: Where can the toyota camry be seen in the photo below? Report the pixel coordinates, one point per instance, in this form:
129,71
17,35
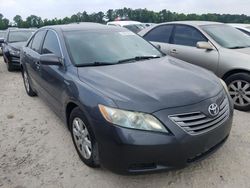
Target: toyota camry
129,107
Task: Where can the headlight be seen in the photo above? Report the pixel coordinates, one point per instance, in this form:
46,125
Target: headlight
224,85
14,52
133,120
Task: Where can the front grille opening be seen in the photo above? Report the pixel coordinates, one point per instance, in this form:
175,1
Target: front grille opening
142,166
204,154
198,123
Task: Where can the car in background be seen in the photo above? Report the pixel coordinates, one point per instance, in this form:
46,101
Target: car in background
215,46
245,28
131,25
2,34
128,106
13,41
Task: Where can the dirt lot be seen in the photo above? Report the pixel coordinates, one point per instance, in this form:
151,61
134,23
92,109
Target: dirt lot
36,151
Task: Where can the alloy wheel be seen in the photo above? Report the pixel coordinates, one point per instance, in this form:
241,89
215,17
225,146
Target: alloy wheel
26,81
239,91
82,138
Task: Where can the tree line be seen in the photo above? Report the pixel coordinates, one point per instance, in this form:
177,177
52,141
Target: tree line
142,15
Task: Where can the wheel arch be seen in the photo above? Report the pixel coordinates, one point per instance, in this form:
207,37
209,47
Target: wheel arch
69,107
234,71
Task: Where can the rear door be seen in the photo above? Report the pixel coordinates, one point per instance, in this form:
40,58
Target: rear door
160,35
183,46
32,55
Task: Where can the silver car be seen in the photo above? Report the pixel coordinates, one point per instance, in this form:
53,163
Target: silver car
214,46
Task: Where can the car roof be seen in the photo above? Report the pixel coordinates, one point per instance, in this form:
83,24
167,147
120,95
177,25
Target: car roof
82,26
239,25
21,29
194,23
123,23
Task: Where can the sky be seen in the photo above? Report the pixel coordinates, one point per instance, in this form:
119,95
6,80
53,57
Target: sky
62,8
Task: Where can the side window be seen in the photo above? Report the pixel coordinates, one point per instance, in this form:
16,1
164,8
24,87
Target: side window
159,34
51,44
187,36
37,41
30,43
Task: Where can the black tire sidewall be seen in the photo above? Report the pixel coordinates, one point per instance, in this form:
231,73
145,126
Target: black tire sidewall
93,161
31,93
239,76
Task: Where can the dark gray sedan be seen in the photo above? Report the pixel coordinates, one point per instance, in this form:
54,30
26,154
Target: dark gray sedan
128,107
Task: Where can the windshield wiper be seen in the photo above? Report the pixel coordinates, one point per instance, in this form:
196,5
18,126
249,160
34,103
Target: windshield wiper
138,58
97,63
239,47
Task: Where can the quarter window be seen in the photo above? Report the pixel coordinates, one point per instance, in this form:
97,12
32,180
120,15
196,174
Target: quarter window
51,44
37,41
187,36
160,34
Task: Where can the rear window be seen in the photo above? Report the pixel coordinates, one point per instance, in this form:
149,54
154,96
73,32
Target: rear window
19,36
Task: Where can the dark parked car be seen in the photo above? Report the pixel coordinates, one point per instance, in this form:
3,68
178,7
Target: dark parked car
2,33
128,107
14,40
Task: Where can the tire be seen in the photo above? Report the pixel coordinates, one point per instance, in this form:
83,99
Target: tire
83,138
26,82
10,67
239,90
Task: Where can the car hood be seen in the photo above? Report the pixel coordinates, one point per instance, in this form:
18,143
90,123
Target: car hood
17,45
152,85
243,50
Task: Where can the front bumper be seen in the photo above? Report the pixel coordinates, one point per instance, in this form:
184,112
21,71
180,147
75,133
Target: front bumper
13,59
133,151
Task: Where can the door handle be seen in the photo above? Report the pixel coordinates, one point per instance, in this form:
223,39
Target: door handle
173,51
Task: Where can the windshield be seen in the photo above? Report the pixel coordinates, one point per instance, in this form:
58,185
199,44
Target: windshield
2,33
136,28
90,47
19,36
227,36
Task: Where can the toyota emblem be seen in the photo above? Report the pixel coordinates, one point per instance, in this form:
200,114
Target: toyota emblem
213,109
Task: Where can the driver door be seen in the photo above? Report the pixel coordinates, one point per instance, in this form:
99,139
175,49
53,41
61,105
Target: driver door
183,46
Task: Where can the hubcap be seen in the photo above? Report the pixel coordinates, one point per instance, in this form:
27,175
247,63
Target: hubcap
26,81
82,138
239,90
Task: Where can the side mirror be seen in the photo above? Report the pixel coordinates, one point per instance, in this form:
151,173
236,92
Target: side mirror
204,45
50,59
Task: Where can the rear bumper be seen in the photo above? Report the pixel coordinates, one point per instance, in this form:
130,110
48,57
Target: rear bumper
127,151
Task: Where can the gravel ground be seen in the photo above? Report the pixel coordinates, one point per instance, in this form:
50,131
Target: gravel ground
36,150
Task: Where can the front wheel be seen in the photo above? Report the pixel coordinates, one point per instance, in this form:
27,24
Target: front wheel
83,138
10,67
27,85
239,90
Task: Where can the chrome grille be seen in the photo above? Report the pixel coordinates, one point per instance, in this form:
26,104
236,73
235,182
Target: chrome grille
198,123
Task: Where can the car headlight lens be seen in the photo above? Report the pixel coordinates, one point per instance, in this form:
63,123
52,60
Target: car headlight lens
14,52
133,120
224,85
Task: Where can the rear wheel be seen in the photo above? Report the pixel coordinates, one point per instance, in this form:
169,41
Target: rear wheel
239,90
27,85
83,138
